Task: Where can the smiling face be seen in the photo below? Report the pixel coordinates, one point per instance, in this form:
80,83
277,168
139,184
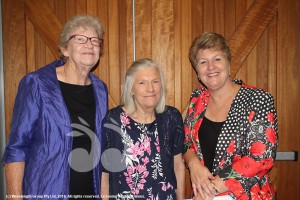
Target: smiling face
146,89
212,68
82,55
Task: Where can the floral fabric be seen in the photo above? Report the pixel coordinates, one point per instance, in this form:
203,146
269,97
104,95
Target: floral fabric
247,145
143,175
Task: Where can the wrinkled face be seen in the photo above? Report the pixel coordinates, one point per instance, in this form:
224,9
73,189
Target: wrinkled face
212,68
146,88
82,55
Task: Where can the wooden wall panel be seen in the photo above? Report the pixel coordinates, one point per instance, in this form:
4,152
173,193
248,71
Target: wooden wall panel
14,53
288,92
164,32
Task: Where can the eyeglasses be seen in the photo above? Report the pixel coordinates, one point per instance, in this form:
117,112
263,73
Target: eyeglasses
82,39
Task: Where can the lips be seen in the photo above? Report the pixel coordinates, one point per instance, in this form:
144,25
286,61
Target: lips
213,74
88,53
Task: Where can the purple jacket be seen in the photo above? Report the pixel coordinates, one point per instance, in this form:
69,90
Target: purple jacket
38,135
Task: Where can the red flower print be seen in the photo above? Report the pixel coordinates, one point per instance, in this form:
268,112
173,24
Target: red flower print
250,116
255,192
266,163
190,110
234,186
231,147
271,135
246,166
257,148
271,117
197,126
267,191
262,173
222,162
236,158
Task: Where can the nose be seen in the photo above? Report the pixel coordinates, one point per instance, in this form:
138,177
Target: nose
89,43
210,65
150,87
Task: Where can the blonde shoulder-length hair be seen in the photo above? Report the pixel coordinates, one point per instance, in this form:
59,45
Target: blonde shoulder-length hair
127,98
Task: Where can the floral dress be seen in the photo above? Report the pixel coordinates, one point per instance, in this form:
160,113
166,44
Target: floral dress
139,173
247,145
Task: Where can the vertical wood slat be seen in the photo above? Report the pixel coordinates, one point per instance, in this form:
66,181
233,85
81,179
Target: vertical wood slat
14,54
197,29
177,54
103,68
163,42
114,46
208,16
123,41
129,33
241,9
143,29
219,12
186,71
229,18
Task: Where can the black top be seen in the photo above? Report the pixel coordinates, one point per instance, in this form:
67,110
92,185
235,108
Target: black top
208,137
81,106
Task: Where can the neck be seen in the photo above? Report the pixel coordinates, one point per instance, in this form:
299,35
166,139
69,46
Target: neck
75,75
227,92
143,116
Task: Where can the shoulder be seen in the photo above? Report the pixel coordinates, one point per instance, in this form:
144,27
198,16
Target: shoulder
254,97
116,111
171,110
46,72
257,94
97,81
171,113
199,91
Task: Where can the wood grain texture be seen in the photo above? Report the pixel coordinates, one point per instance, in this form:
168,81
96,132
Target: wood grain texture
43,18
288,92
14,53
249,30
164,31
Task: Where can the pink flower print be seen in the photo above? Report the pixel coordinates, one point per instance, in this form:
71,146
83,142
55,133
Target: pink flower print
170,186
157,145
141,168
145,174
164,187
140,186
146,145
135,150
145,160
130,170
135,191
124,119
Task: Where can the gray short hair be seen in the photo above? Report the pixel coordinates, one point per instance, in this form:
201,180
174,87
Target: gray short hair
74,23
127,98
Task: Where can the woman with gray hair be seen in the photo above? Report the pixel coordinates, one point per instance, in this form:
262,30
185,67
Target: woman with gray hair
55,140
144,140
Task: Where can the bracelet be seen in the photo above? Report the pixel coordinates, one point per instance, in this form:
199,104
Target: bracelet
213,185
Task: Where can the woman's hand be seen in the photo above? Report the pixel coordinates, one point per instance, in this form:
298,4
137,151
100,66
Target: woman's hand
200,177
206,197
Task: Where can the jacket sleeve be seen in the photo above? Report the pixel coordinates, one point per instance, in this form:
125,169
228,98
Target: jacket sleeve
178,134
24,119
259,146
